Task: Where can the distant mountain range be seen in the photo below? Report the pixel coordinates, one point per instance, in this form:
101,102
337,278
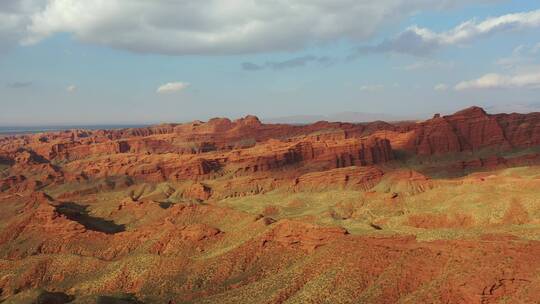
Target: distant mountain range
341,117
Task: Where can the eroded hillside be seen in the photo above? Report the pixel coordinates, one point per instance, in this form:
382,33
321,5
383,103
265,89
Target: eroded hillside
445,210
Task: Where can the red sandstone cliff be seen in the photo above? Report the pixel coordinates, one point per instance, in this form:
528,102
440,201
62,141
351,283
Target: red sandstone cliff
201,149
471,129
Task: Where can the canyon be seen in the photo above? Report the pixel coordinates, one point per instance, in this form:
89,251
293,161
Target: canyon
445,210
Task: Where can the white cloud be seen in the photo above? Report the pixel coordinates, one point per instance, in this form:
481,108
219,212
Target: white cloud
498,81
172,87
372,88
207,27
71,89
421,41
441,87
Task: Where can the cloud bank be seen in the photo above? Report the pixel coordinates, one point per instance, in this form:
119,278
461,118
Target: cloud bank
15,16
423,41
206,27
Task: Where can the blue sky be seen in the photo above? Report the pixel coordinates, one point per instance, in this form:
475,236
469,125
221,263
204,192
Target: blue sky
90,62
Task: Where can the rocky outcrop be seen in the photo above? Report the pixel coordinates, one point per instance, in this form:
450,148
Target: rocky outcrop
198,232
28,171
39,216
198,191
264,158
521,130
354,178
150,168
473,129
323,154
18,184
308,237
408,182
247,185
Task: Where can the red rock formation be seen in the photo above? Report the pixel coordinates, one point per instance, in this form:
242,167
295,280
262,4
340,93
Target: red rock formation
521,130
190,138
198,232
201,150
404,182
40,217
198,191
18,184
305,236
467,130
357,178
247,185
101,235
325,154
473,129
488,163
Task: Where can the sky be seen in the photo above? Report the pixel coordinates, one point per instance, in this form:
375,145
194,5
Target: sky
139,61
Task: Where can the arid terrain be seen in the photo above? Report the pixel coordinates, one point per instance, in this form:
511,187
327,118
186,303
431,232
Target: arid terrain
445,210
